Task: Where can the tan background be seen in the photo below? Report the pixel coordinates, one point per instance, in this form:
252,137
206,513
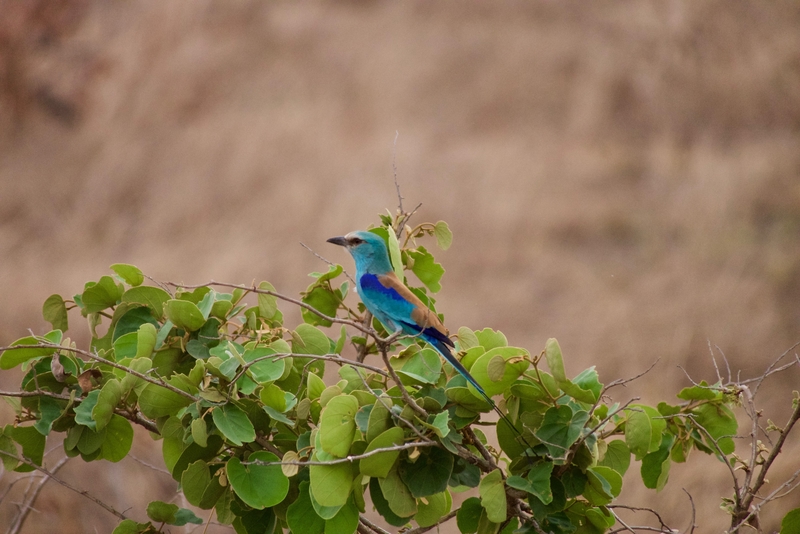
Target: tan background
624,176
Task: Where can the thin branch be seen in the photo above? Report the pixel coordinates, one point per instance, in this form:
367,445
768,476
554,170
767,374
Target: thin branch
254,289
394,170
158,382
371,525
27,506
406,397
137,417
694,512
326,260
351,458
67,485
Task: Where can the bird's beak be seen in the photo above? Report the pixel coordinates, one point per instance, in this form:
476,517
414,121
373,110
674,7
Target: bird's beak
341,241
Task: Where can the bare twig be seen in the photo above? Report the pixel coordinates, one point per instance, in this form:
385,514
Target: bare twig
406,397
158,382
67,485
27,506
254,289
351,458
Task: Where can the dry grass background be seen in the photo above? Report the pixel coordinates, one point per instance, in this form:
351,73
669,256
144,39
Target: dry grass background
624,176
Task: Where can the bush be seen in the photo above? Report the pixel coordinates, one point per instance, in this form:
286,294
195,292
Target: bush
249,428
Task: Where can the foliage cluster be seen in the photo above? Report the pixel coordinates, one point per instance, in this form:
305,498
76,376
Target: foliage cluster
248,427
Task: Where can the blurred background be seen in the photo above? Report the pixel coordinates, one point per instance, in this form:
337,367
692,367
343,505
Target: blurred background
624,176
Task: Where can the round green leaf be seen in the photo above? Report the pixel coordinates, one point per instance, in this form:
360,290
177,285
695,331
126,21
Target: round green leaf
152,297
380,464
468,515
493,496
118,440
791,522
503,374
259,486
429,513
132,275
156,401
300,515
338,426
234,424
312,340
397,495
331,484
429,474
184,314
54,312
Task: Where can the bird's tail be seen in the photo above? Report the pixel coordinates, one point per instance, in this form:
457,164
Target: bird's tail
444,350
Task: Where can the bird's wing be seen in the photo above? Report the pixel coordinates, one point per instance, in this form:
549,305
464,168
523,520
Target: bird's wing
403,305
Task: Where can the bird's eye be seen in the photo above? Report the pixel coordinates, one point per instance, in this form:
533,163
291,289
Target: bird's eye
356,241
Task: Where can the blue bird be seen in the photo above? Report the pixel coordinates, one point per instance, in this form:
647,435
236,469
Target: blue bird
396,307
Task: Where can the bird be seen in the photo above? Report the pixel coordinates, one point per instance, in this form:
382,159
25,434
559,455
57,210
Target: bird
397,308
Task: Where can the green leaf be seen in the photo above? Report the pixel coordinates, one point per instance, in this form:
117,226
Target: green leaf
643,429
331,484
510,371
11,358
267,370
655,465
234,424
146,340
152,297
427,270
397,495
394,254
32,444
300,516
184,314
380,464
493,496
194,481
109,397
267,304
315,386
537,482
83,412
720,422
157,401
322,299
429,513
312,341
490,339
702,391
560,429
50,409
467,339
338,426
444,237
104,294
468,515
382,505
184,516
617,457
379,418
601,518
603,484
118,440
259,486
790,524
129,526
430,472
54,312
162,512
345,521
132,275
425,366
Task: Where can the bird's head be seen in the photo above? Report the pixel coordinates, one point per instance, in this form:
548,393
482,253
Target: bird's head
368,249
